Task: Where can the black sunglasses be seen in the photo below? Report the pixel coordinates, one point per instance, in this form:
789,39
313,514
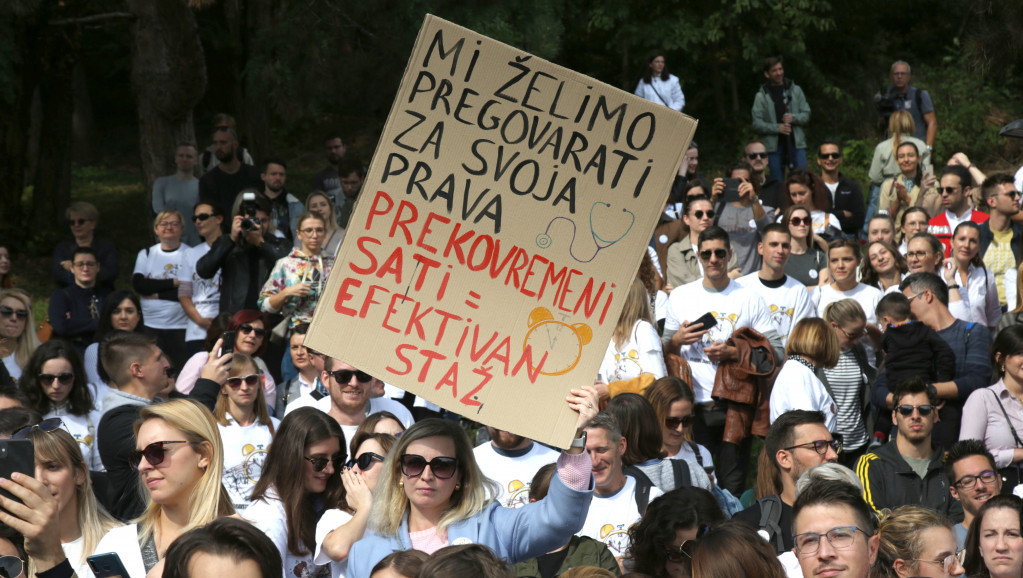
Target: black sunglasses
154,454
236,382
248,328
719,253
201,217
907,410
345,376
11,312
11,566
681,554
830,156
320,462
365,461
64,378
800,221
413,465
47,425
756,156
699,214
949,190
78,222
674,422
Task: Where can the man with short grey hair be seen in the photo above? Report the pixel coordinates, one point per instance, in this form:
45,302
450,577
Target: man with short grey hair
902,95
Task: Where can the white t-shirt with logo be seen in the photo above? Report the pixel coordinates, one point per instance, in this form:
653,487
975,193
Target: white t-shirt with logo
787,305
205,292
513,470
156,263
610,517
733,307
269,516
640,353
83,429
245,449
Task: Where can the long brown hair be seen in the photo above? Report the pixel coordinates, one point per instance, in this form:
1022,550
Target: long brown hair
637,308
868,276
239,362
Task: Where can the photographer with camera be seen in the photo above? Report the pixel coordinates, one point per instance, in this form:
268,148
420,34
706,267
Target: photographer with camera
901,95
246,256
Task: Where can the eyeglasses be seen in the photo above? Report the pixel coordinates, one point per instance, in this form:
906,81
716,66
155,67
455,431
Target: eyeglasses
908,298
64,378
699,214
365,461
154,453
854,334
829,156
681,554
78,222
948,190
674,422
800,221
11,566
320,462
168,224
840,538
47,425
313,231
248,328
236,382
413,465
907,410
756,155
85,265
918,254
946,563
201,217
820,446
967,482
11,312
719,253
345,376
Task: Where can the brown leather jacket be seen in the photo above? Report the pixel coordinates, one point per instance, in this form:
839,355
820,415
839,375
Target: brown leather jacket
745,385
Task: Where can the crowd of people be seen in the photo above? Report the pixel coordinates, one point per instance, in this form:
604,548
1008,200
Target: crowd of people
181,427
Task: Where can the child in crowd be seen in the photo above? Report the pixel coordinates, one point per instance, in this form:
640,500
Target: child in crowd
911,348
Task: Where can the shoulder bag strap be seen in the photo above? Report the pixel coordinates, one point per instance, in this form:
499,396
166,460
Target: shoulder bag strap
1015,436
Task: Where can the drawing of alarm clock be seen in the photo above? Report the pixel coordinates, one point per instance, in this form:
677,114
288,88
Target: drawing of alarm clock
563,343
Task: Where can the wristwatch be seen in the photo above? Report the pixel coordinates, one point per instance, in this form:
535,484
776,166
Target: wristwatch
953,286
579,442
932,390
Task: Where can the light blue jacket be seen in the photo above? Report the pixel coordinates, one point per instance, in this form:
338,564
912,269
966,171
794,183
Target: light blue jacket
516,534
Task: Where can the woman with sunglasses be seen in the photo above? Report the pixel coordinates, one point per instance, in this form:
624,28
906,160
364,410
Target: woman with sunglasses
683,265
966,275
884,267
635,346
298,485
18,339
60,467
806,189
122,311
988,414
296,282
911,188
431,493
200,297
246,428
344,525
55,385
916,541
850,377
179,458
250,338
674,403
319,202
156,280
994,545
807,263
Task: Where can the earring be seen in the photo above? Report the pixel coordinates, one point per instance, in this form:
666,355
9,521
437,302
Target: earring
458,487
401,483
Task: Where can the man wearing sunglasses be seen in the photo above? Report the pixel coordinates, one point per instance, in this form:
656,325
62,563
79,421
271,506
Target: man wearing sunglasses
909,469
955,187
74,310
1000,236
833,531
512,461
83,217
972,479
755,153
199,297
353,396
846,195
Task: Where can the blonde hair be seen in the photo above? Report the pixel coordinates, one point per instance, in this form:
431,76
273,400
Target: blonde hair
390,504
239,362
331,222
58,446
900,532
167,213
899,124
209,499
813,338
637,308
28,341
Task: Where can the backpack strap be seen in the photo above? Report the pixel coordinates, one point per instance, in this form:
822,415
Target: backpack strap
683,478
643,485
696,452
770,521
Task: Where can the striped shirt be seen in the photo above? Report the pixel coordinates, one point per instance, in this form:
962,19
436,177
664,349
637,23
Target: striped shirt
846,381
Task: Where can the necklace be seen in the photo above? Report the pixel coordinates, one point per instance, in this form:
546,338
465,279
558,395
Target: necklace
802,361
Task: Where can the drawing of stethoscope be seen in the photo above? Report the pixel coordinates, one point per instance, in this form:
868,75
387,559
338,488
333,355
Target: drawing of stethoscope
544,240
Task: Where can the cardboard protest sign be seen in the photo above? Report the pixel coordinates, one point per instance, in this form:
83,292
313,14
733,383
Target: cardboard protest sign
499,229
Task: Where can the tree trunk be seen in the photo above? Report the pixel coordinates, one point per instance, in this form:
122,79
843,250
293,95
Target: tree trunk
260,16
168,77
15,120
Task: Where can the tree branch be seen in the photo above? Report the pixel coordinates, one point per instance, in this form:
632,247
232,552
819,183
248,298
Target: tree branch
93,19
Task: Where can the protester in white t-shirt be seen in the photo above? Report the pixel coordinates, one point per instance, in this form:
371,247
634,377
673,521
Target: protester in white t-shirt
787,300
200,298
673,400
55,384
299,475
635,347
844,260
512,461
156,279
813,345
246,428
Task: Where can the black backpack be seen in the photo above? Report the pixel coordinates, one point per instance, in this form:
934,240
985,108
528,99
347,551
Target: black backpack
643,483
770,521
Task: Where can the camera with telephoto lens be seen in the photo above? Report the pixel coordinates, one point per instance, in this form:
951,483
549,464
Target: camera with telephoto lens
248,208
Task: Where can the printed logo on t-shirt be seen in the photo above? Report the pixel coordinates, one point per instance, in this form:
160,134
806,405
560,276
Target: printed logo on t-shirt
781,318
623,361
720,332
616,538
170,270
305,569
518,494
240,479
